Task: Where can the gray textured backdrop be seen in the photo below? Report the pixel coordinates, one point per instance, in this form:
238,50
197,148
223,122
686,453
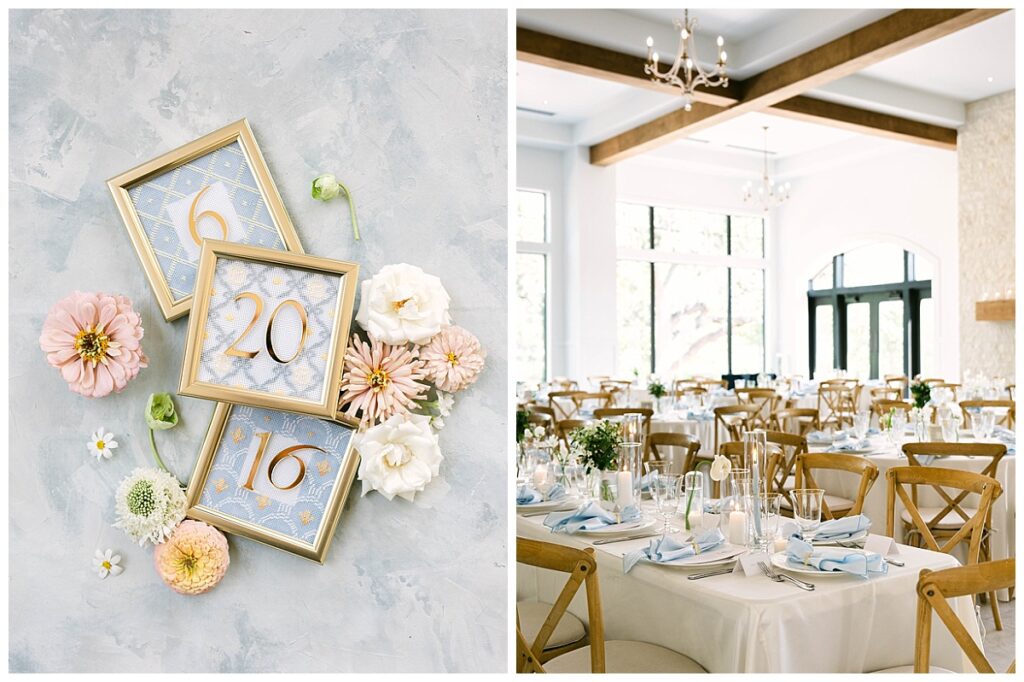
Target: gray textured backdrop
407,107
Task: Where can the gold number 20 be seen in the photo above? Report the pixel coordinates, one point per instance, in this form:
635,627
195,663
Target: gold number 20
250,354
284,454
193,219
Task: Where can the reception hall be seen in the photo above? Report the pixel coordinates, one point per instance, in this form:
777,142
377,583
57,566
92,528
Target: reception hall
764,341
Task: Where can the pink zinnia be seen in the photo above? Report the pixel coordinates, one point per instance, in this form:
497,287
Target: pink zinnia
380,380
453,359
94,339
194,558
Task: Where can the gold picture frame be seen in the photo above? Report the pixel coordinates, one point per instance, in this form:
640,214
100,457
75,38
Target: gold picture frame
251,182
321,292
293,521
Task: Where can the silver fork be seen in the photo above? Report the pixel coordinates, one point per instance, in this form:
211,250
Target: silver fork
779,577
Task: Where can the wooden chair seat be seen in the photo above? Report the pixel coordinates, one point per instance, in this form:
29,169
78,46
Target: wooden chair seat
951,521
568,631
623,656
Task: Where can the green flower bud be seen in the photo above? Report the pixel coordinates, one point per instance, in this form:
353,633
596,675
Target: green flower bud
160,412
325,187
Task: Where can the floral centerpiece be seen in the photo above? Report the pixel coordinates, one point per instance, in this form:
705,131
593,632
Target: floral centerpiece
657,389
522,424
921,393
598,444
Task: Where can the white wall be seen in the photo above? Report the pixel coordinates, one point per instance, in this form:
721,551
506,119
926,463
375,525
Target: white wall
901,193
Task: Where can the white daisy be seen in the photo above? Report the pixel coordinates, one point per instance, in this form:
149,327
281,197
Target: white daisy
101,444
106,563
150,503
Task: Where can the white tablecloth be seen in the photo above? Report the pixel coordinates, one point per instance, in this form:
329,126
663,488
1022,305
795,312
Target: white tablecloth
732,623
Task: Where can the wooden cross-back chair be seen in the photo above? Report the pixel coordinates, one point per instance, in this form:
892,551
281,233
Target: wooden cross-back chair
836,403
834,506
940,516
789,446
763,401
885,393
1007,419
541,419
616,387
564,384
797,420
678,393
658,450
562,404
597,379
544,411
952,387
898,381
595,400
645,413
616,656
933,381
734,450
972,524
880,408
709,384
735,419
679,384
564,427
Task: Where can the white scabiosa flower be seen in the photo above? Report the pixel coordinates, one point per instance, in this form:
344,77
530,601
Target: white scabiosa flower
150,503
399,456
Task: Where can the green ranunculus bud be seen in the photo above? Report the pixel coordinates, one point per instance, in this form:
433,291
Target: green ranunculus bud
160,412
325,187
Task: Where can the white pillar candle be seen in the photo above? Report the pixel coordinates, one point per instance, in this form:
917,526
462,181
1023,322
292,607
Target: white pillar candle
540,475
737,527
624,486
696,520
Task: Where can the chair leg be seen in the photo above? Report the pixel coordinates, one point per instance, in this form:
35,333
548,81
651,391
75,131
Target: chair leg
995,610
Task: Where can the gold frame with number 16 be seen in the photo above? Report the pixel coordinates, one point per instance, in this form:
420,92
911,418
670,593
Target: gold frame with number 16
239,131
315,551
330,383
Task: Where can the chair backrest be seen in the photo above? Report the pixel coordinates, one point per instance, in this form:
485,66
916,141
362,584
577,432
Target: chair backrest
598,399
898,381
712,383
562,404
932,382
835,403
807,463
734,450
596,379
993,451
680,391
566,426
734,419
541,419
881,408
582,569
942,481
679,384
798,420
645,412
886,393
666,440
935,587
564,384
1007,419
789,446
952,387
763,400
542,410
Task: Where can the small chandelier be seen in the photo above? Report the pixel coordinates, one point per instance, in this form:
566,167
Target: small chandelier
768,195
686,73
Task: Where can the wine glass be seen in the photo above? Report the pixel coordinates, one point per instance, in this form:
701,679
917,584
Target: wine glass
807,509
665,489
978,426
988,418
860,424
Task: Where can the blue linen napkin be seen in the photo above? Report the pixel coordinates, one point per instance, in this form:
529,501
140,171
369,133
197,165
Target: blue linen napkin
525,494
700,415
821,437
840,529
669,549
851,444
829,559
590,517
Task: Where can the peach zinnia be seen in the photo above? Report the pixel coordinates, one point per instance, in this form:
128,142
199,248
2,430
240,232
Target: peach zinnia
95,341
194,558
453,359
380,380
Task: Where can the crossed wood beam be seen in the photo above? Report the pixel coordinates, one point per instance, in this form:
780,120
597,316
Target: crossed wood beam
778,90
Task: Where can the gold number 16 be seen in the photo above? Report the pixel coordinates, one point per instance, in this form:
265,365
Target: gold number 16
278,458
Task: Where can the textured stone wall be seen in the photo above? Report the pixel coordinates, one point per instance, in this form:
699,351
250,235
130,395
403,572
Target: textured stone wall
986,175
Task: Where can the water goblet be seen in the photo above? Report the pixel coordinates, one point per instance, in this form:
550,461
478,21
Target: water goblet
860,424
807,509
988,418
665,489
949,431
978,426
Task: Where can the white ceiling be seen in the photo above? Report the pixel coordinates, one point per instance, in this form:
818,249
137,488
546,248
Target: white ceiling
930,83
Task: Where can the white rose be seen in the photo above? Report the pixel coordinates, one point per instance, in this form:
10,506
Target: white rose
720,468
401,303
399,456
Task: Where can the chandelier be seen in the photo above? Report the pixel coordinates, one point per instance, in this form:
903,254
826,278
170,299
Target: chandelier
686,73
768,195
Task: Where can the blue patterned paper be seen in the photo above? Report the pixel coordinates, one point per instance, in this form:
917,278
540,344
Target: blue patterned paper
226,165
303,519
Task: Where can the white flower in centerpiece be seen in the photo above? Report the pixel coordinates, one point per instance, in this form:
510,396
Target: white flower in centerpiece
106,563
437,422
149,503
101,444
401,304
399,456
445,402
720,468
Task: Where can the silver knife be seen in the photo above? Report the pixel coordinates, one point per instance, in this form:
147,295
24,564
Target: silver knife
709,574
608,541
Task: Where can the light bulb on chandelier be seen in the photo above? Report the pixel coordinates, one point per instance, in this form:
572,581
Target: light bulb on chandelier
686,72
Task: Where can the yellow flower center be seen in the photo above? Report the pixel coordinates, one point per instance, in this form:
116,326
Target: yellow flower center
92,344
398,305
453,359
107,565
378,379
187,563
100,445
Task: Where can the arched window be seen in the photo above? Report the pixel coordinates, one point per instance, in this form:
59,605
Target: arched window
867,309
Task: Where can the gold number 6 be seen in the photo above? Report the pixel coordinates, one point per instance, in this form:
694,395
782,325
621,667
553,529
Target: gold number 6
250,354
278,458
193,219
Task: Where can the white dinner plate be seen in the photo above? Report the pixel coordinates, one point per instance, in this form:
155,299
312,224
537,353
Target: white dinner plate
568,502
853,538
719,556
614,529
781,560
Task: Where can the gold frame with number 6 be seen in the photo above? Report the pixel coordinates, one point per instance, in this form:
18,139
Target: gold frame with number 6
232,524
119,186
190,385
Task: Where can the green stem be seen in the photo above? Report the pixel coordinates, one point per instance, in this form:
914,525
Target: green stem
689,501
156,455
351,210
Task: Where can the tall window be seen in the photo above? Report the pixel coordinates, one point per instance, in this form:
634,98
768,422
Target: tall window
690,294
532,251
870,313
